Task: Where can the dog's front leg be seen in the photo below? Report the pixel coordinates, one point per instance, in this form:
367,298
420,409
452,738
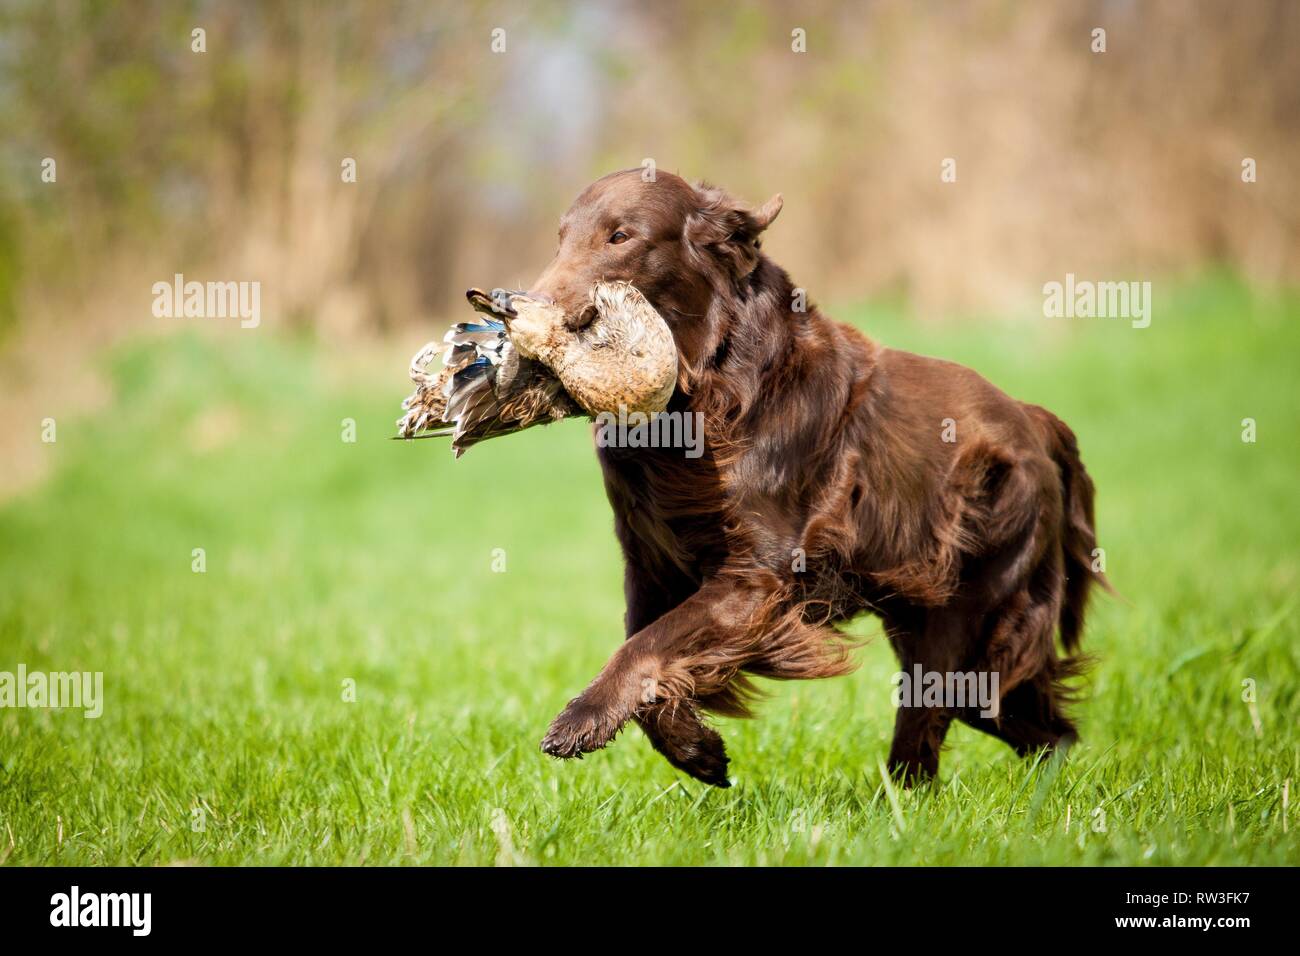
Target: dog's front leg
675,728
653,671
678,731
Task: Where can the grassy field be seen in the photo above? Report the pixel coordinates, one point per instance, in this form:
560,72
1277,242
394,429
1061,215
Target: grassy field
226,737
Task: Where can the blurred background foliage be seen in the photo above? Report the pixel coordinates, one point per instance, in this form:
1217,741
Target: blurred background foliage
227,163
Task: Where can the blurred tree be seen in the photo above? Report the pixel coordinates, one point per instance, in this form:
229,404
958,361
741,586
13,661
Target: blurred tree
228,162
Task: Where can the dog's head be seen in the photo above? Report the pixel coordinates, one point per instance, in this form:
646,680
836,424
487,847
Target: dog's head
679,244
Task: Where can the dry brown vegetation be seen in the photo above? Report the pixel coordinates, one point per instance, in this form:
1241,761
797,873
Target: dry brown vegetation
227,163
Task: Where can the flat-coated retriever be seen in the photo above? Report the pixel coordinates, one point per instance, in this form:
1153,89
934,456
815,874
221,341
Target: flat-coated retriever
838,477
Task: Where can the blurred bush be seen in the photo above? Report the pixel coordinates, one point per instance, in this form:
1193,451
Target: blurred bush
226,164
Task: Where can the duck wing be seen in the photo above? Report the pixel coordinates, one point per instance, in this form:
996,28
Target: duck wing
486,387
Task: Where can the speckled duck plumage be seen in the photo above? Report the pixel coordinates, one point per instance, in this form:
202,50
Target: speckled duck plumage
524,363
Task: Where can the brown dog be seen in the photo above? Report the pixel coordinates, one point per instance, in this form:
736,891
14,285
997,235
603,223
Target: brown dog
838,476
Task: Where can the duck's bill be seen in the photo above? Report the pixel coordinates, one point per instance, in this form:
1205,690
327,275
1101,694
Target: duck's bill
498,303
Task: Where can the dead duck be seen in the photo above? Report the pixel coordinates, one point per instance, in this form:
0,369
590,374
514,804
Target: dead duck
525,363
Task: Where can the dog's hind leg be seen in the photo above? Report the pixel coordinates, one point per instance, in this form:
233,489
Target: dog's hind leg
1021,650
1033,696
935,640
1030,718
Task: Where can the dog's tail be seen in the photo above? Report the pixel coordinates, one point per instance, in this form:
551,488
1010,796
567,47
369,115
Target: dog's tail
1083,562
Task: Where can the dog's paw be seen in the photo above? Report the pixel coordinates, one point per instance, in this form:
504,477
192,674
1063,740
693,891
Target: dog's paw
581,728
687,742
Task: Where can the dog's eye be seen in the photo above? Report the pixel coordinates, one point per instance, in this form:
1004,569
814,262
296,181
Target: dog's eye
617,237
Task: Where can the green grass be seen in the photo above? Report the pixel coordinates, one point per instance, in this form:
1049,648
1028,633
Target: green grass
371,561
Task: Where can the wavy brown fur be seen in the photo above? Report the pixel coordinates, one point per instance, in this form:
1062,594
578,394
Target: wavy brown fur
827,488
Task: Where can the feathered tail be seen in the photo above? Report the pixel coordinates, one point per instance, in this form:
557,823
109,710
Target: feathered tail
453,395
484,389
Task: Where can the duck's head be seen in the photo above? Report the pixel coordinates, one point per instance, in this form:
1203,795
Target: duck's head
614,351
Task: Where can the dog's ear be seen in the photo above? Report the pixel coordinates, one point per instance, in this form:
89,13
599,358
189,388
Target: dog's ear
725,227
766,214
